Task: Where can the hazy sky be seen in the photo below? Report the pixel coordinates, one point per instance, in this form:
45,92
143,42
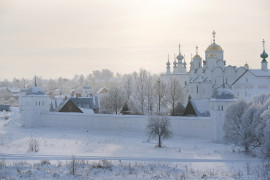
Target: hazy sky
53,38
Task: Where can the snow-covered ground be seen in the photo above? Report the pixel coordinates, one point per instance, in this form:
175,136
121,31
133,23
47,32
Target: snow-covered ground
116,155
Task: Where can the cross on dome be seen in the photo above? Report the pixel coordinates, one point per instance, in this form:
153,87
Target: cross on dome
179,48
263,41
214,36
196,49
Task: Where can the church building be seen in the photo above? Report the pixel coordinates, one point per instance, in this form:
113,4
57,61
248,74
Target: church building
207,76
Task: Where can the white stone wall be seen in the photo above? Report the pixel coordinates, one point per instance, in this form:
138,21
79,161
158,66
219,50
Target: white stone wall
189,127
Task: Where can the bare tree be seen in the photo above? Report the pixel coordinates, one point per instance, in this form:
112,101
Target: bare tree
128,86
149,94
175,94
160,90
114,99
140,87
73,165
158,127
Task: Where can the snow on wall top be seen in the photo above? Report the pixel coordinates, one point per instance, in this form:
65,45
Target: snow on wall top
259,72
35,91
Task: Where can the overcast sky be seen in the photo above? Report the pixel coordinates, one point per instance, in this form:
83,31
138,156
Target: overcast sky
53,38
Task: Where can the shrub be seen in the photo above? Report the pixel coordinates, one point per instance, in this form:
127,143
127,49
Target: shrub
33,145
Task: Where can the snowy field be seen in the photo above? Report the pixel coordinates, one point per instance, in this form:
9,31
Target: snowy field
82,154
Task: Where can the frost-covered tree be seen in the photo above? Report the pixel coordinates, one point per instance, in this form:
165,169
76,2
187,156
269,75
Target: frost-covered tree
158,126
246,123
114,99
160,91
266,142
175,95
249,122
263,129
140,89
128,86
261,98
233,121
149,94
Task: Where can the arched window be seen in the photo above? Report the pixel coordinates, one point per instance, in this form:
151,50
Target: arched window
197,89
39,103
221,108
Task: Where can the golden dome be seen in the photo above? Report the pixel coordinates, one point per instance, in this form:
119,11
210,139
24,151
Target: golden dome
214,47
211,55
246,66
197,56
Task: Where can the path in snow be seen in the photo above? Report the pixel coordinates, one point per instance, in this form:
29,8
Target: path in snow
79,157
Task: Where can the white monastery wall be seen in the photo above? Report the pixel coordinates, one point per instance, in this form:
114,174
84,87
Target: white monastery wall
189,127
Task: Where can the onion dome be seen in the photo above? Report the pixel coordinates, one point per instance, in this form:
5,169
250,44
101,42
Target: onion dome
168,63
86,86
224,93
246,66
180,57
185,64
214,46
174,64
264,55
197,55
35,91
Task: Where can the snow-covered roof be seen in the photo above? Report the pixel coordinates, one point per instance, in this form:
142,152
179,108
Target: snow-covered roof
14,89
55,103
201,107
23,90
35,91
259,72
102,90
200,79
87,111
224,93
86,102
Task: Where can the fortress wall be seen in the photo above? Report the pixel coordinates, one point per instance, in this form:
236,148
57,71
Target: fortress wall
189,127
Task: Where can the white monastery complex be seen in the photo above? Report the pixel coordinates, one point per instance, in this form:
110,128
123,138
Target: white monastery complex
210,83
207,76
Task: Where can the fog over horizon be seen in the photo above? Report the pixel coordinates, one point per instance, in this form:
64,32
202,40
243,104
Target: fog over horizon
53,39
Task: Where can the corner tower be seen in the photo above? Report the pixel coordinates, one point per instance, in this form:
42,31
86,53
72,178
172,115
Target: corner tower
34,103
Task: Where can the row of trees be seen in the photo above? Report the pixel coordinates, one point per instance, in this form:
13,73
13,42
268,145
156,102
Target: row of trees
247,124
147,92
